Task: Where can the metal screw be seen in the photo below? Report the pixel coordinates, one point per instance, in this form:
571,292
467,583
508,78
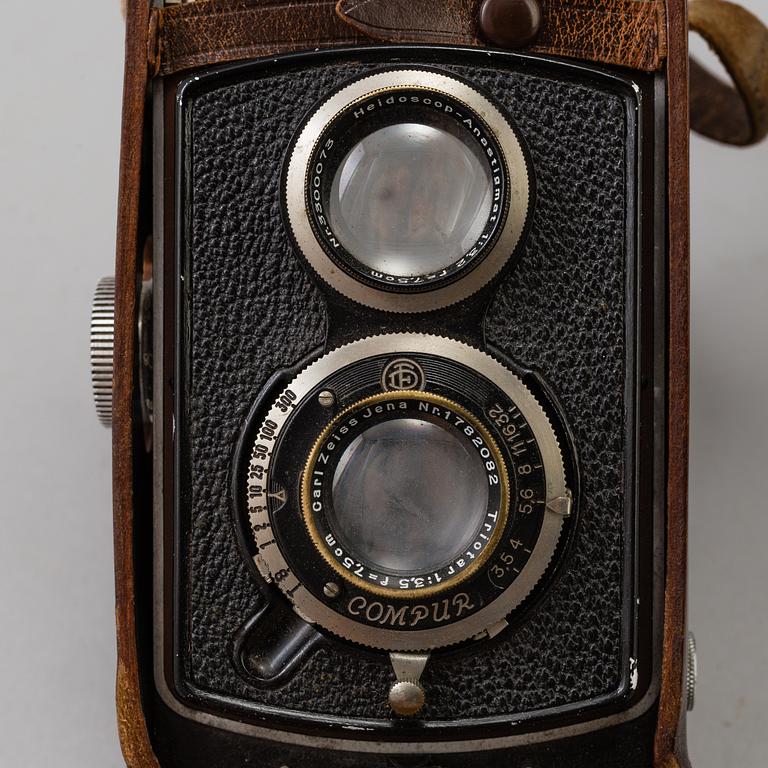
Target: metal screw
326,398
331,590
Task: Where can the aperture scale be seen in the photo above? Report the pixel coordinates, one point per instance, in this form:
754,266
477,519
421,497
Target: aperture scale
408,613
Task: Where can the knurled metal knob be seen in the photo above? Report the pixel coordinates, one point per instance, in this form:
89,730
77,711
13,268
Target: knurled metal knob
103,348
406,698
691,671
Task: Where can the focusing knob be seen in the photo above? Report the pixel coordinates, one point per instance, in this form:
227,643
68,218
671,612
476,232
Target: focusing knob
103,348
691,672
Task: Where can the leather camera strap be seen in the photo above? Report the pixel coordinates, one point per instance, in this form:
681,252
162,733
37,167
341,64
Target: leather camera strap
628,33
739,114
216,31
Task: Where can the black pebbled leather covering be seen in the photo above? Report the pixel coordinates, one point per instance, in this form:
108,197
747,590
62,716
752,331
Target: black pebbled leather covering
562,311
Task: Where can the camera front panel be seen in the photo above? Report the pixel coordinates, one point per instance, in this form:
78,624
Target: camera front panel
568,313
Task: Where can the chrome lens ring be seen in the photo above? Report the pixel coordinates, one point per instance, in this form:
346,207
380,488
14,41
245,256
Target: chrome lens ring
539,500
407,189
460,277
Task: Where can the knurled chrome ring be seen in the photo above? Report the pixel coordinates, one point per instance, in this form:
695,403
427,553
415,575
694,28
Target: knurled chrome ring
273,564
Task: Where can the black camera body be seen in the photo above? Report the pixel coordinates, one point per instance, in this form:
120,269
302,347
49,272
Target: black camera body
396,357
275,636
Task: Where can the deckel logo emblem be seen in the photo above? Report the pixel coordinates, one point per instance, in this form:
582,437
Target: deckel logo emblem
402,373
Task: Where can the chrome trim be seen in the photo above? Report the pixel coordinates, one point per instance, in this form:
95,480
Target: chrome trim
270,560
487,269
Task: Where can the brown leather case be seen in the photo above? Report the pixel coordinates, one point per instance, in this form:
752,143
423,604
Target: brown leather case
648,35
625,32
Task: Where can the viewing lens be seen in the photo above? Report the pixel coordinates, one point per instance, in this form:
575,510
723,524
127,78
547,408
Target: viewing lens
409,496
410,199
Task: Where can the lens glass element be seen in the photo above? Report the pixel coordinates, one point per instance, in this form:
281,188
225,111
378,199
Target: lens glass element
411,199
408,496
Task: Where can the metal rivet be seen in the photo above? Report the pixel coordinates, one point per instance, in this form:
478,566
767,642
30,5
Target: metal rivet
510,23
326,398
331,590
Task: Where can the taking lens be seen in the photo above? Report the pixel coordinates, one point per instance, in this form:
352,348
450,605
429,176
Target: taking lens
408,496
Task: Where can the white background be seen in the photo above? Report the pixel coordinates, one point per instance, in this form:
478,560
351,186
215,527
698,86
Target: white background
59,137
